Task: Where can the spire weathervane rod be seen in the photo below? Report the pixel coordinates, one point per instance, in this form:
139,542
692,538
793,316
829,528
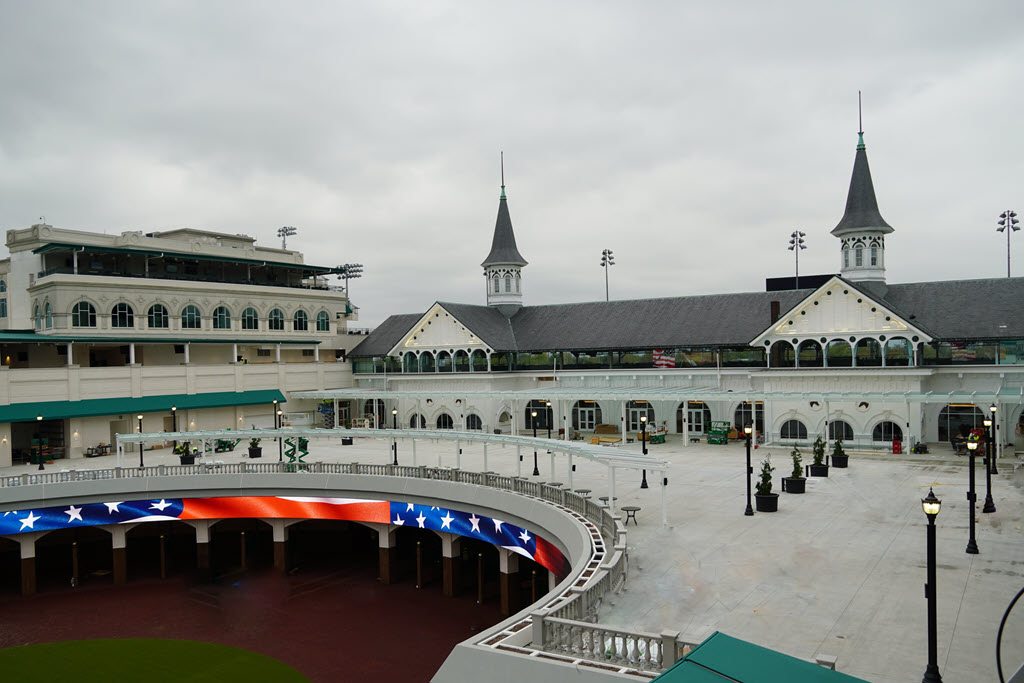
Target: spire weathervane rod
860,115
503,168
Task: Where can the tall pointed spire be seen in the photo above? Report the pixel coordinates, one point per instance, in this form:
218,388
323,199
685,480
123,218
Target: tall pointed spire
503,244
503,265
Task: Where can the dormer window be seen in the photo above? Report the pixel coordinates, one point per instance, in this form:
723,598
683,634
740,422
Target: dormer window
846,258
874,256
858,256
508,283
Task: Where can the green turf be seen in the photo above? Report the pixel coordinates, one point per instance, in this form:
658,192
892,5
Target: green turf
137,659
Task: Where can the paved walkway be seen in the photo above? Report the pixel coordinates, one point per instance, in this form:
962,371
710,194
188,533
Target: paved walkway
839,570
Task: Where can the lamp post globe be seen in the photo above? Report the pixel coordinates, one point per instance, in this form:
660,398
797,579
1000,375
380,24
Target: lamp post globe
39,418
549,419
394,425
280,441
931,506
748,430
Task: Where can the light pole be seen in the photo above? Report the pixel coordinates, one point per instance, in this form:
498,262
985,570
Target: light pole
643,446
548,417
607,261
990,448
284,233
141,465
995,453
1008,223
972,545
796,243
747,429
174,422
39,448
931,506
349,271
280,441
394,425
533,421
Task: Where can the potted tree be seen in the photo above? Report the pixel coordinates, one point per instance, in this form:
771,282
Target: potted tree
818,467
764,499
839,457
795,483
254,448
184,453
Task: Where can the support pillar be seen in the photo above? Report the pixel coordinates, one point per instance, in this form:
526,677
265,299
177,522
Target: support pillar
28,562
486,468
451,546
119,543
509,581
202,527
569,479
387,554
280,544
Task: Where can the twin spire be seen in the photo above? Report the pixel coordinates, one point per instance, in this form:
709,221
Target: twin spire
503,265
503,244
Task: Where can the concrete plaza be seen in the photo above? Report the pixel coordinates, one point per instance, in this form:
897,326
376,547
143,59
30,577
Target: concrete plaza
839,570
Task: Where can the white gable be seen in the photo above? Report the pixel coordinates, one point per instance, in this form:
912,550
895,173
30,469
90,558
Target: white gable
438,330
837,310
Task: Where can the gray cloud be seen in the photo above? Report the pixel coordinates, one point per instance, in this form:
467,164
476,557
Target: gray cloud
691,139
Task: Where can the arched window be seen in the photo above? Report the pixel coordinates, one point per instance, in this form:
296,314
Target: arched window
48,316
3,299
300,321
869,353
634,410
3,286
508,283
323,322
38,317
461,361
838,354
444,362
518,279
122,315
742,416
793,429
846,257
250,319
840,430
191,318
887,431
810,354
497,283
426,362
157,317
83,315
474,422
275,321
874,256
479,361
898,351
417,421
221,318
782,355
410,363
444,421
858,256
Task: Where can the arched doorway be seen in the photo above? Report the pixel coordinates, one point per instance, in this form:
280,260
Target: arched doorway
545,417
586,415
374,409
793,430
461,361
782,355
887,431
426,362
444,362
697,415
160,549
82,554
743,417
633,412
237,544
10,567
445,421
958,419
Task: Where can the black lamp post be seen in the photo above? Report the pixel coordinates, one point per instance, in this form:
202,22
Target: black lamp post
990,451
394,425
972,545
533,421
548,418
992,408
280,441
174,422
643,446
39,449
747,429
931,506
141,465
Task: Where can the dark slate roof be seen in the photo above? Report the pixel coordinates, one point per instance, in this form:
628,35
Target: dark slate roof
962,309
951,310
503,246
861,205
386,335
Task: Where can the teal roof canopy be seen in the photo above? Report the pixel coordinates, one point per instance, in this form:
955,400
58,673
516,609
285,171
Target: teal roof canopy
53,410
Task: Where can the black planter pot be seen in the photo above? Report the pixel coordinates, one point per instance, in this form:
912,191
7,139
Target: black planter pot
768,502
255,452
818,470
840,460
794,484
187,459
346,441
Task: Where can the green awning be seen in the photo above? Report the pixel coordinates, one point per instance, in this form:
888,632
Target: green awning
723,658
184,255
55,410
30,338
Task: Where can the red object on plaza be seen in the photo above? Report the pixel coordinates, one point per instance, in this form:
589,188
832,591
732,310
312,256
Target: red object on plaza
897,447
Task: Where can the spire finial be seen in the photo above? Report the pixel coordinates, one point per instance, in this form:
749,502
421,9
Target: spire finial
860,124
503,174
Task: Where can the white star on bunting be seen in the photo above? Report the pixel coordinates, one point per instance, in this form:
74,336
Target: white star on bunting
475,521
29,521
161,506
73,513
497,525
409,507
112,507
446,521
398,520
421,519
525,536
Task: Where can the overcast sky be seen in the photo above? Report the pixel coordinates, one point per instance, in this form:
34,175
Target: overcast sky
689,138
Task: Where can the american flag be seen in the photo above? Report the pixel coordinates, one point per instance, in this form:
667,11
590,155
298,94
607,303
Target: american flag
962,351
508,536
664,360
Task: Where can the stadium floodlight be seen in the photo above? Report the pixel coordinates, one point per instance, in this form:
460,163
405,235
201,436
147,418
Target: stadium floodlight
796,243
607,260
1008,219
284,233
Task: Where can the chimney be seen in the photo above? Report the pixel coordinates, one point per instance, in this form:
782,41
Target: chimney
775,312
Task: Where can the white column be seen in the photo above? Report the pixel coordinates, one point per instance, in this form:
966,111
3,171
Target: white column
570,470
552,475
277,353
70,347
131,354
486,468
337,416
458,454
414,453
188,348
611,486
624,423
316,354
519,460
686,425
664,511
234,353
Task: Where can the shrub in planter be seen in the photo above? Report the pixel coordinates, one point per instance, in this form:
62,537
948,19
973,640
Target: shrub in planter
765,500
184,453
839,457
795,483
818,467
254,447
